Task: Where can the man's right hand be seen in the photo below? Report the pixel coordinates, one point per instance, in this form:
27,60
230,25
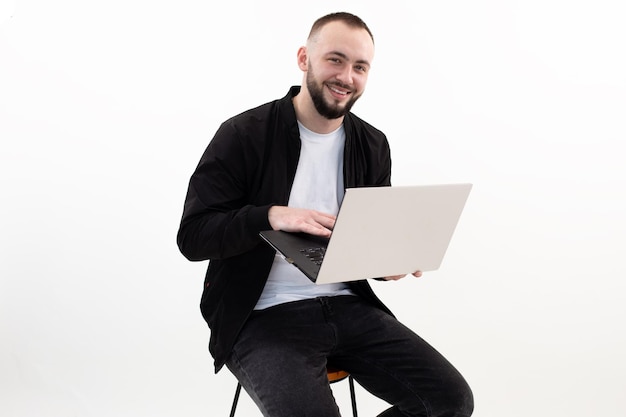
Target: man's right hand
291,219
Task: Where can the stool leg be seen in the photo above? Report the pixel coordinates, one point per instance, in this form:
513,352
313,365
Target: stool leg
352,398
236,400
352,395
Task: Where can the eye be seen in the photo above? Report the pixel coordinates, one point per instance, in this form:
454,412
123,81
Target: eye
361,68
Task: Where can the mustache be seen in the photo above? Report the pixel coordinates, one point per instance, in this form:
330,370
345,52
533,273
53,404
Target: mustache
341,85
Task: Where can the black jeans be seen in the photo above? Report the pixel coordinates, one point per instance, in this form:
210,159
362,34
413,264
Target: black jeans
281,355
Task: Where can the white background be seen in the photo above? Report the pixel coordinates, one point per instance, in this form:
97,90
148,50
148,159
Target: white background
106,107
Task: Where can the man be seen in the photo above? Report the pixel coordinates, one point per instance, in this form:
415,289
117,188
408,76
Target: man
284,166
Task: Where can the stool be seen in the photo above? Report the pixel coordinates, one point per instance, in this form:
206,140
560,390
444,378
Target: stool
334,375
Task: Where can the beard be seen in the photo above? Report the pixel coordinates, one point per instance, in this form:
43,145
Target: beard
324,108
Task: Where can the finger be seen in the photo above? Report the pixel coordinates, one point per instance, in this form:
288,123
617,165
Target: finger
394,277
326,220
417,274
314,228
319,231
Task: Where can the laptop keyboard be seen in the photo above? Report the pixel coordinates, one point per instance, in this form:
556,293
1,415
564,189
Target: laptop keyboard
316,255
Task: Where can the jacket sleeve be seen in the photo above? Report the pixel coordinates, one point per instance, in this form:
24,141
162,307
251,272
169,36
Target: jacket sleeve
384,163
218,219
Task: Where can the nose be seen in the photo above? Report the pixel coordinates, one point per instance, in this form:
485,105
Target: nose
346,75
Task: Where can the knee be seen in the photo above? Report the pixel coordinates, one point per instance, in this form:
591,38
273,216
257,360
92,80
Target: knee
458,401
450,398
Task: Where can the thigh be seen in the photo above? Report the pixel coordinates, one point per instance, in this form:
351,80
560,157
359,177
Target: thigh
395,364
280,360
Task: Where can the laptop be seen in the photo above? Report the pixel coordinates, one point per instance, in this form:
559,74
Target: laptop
379,232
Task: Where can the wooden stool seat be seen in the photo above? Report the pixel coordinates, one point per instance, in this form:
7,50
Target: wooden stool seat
336,375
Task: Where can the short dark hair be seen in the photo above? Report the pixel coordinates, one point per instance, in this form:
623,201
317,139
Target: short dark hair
345,17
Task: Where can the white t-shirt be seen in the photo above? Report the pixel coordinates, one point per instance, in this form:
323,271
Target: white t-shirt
318,185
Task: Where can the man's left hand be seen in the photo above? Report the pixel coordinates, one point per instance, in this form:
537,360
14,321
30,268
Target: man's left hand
416,274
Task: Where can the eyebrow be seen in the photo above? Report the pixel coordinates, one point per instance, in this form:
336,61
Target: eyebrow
344,56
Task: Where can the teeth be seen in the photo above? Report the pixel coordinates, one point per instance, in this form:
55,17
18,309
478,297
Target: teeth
337,91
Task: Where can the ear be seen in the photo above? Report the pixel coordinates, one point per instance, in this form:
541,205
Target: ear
303,59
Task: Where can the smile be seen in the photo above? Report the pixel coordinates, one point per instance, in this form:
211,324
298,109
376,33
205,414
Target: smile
338,91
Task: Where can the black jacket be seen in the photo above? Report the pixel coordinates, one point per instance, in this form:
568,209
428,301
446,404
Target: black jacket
249,166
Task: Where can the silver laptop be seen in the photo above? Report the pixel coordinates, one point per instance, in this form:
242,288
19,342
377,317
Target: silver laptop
379,232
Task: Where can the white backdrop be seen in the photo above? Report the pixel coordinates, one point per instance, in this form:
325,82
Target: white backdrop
106,107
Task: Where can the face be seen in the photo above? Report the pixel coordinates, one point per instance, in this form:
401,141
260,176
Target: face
338,60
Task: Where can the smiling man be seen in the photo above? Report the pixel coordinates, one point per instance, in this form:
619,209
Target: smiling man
284,166
336,69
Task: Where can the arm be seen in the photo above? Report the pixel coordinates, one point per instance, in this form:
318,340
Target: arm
219,221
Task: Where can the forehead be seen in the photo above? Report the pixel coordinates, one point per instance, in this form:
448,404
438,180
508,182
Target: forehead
354,42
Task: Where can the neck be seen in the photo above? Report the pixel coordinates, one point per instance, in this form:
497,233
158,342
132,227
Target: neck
310,118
